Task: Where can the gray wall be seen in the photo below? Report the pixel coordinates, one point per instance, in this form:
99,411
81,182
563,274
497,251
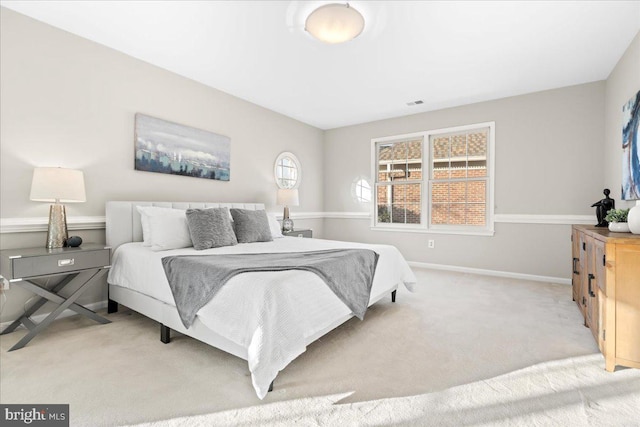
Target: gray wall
70,102
622,84
548,162
555,152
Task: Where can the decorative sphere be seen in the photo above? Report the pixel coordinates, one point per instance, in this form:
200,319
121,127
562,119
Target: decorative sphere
73,241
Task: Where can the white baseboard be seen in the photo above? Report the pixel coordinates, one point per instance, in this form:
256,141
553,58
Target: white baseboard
496,273
67,313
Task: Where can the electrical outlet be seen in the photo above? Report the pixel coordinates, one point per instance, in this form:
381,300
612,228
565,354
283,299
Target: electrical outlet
4,284
431,244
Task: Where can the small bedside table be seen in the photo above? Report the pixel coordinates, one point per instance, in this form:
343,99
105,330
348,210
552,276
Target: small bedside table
299,233
82,266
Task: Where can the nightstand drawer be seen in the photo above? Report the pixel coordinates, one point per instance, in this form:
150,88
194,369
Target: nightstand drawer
23,267
299,233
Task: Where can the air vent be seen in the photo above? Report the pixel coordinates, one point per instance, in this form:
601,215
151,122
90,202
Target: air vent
412,103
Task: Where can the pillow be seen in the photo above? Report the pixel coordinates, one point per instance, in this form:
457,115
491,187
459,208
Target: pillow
148,211
274,226
251,226
210,228
164,228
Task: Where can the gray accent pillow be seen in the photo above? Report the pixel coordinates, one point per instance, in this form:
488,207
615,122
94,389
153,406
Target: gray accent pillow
210,228
251,226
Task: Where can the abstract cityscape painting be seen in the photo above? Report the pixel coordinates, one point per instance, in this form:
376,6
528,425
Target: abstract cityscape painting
166,147
631,149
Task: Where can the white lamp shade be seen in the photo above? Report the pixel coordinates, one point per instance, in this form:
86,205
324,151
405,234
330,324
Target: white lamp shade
57,185
335,23
288,197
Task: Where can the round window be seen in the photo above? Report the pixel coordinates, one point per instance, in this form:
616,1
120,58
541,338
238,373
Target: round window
287,170
361,190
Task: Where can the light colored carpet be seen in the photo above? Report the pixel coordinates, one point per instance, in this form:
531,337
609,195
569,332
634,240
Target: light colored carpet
569,392
455,330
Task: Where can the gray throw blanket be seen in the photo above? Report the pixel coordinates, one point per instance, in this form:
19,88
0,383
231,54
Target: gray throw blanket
195,279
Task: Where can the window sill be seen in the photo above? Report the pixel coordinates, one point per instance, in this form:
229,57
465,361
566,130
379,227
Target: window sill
486,233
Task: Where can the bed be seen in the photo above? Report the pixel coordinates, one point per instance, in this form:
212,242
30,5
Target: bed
266,318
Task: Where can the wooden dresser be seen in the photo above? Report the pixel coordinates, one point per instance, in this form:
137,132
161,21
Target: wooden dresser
606,287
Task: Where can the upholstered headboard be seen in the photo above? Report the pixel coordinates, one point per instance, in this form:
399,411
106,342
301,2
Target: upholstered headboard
123,219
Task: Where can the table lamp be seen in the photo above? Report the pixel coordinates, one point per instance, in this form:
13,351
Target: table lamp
287,197
57,185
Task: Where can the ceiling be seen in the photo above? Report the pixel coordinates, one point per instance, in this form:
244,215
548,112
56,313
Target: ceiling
445,53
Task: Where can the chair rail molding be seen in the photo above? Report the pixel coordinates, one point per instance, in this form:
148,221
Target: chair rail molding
503,218
35,224
545,219
347,215
301,215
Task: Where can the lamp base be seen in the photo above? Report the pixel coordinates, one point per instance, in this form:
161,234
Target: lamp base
287,223
57,231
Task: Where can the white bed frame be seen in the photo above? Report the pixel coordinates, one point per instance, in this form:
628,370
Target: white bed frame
123,225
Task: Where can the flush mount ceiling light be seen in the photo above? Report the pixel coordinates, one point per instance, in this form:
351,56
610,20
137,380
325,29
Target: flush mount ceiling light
335,23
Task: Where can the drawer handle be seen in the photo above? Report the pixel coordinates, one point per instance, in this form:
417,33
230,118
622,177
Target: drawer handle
591,276
575,271
65,262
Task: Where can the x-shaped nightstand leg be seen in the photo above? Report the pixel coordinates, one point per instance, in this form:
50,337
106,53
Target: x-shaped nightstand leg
86,278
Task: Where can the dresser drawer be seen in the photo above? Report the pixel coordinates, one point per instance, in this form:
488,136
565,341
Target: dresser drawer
32,266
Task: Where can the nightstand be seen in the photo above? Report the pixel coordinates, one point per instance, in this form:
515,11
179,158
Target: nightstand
299,233
81,268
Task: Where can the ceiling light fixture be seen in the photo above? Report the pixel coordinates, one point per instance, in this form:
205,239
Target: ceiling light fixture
335,23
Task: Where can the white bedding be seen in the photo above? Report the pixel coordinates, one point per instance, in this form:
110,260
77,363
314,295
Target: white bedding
270,314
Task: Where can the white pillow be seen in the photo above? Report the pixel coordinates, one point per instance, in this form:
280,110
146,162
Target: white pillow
145,213
164,228
169,232
274,226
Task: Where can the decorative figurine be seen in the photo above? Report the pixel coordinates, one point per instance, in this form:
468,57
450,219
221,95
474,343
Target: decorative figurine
602,207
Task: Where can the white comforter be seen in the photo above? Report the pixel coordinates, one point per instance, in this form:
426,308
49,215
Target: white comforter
270,314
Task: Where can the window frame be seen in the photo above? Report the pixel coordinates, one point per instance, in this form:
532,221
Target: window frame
293,158
427,181
374,190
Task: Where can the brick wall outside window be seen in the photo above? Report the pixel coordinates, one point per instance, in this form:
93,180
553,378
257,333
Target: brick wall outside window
400,165
456,198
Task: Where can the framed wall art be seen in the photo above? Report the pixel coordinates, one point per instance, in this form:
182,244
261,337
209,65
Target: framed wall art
166,147
631,149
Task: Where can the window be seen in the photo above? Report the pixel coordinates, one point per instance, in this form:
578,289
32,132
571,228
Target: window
454,192
287,170
458,194
361,190
399,181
